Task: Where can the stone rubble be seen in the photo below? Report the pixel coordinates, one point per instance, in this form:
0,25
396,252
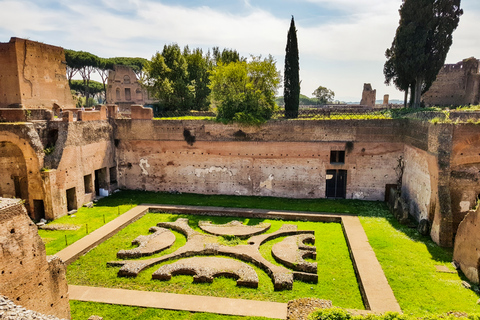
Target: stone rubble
11,311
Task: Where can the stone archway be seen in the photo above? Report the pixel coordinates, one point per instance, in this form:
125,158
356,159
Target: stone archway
22,179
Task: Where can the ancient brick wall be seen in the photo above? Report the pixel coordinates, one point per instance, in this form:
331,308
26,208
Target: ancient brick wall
33,75
273,160
22,155
465,170
419,184
80,161
83,161
26,276
456,84
9,77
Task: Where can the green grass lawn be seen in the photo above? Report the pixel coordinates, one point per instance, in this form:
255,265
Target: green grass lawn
337,280
83,310
407,259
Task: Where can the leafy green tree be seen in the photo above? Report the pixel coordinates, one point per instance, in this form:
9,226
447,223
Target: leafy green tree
395,72
291,91
166,77
137,64
198,67
245,92
83,63
226,56
421,44
103,68
323,95
96,89
73,64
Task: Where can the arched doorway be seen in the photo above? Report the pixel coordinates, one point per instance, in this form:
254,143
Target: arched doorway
20,175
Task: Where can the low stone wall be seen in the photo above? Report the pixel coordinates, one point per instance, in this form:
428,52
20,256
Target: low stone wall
23,115
101,114
12,115
26,276
141,113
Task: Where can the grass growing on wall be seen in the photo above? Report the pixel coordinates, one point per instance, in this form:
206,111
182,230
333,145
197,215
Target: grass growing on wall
337,280
407,258
83,310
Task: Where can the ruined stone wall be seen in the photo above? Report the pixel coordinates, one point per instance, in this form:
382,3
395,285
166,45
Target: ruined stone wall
272,160
14,182
466,251
33,75
80,150
427,171
465,170
75,150
456,84
26,276
9,80
369,95
22,154
419,184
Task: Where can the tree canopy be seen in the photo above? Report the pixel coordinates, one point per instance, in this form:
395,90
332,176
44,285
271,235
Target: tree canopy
291,87
245,91
421,44
323,95
86,63
166,77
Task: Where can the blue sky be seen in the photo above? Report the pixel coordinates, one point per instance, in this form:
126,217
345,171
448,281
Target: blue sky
341,42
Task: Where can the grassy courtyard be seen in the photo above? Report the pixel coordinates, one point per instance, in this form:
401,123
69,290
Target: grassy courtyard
407,258
337,280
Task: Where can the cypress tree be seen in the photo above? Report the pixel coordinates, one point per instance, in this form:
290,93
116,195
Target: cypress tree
421,44
291,93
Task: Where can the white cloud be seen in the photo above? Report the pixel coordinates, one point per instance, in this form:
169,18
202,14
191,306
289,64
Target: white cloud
341,52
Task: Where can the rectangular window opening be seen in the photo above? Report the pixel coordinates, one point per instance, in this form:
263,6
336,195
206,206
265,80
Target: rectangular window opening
337,156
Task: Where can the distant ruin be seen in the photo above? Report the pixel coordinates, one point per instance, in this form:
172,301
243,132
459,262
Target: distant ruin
369,95
124,90
456,84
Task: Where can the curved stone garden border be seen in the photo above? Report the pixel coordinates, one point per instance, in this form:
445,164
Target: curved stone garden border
376,293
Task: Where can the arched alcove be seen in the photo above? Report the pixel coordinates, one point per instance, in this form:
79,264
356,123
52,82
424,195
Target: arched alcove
14,178
21,176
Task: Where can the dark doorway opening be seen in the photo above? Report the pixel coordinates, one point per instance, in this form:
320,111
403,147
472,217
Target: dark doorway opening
38,210
100,180
87,182
113,175
18,188
336,184
71,199
389,191
52,138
